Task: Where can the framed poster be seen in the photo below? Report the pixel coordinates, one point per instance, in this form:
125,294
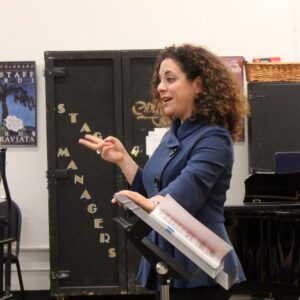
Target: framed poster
18,104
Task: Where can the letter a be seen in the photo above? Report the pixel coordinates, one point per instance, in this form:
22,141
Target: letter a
72,165
85,195
85,128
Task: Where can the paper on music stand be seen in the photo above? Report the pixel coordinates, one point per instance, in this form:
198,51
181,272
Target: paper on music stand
208,238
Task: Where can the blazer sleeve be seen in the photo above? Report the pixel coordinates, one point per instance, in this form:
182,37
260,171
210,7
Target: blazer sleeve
137,184
209,158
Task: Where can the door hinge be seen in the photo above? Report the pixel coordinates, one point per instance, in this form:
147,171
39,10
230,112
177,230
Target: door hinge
61,174
60,275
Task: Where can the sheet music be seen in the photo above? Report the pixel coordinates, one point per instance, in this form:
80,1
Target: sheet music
184,236
209,239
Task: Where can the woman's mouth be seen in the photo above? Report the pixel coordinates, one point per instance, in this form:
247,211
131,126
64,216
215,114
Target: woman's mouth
166,99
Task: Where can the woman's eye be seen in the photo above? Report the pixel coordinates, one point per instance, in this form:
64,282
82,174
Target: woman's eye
170,79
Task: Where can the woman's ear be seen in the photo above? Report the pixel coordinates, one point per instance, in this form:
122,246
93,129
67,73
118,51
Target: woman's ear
198,84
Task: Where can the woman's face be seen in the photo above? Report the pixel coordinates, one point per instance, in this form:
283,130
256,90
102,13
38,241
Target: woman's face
177,92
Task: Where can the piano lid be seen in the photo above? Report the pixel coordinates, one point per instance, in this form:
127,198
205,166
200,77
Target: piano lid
261,188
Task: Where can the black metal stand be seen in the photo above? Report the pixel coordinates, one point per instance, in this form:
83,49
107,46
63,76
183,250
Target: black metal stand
165,265
5,221
164,282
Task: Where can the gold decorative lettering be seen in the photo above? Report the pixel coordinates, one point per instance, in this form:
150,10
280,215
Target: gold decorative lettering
98,135
73,117
92,208
72,165
112,252
85,128
61,108
78,179
97,223
147,110
104,238
62,152
86,195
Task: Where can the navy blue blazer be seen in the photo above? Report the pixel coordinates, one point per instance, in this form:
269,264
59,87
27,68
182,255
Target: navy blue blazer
193,163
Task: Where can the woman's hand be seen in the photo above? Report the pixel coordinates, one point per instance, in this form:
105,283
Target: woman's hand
145,203
110,149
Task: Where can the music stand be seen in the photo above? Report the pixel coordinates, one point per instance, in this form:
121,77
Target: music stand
164,264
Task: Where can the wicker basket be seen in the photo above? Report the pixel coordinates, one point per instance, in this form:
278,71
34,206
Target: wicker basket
266,72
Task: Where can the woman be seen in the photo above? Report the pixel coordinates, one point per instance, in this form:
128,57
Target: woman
193,163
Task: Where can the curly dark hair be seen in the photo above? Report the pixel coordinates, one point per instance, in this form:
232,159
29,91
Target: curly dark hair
220,101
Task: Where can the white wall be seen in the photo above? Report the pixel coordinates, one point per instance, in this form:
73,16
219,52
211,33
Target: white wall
256,28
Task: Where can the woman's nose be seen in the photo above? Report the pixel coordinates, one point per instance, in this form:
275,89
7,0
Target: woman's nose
161,87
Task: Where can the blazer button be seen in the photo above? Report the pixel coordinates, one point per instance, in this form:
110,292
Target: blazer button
156,181
173,151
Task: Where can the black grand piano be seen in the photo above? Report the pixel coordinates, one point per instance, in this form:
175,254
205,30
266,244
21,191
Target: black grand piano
265,231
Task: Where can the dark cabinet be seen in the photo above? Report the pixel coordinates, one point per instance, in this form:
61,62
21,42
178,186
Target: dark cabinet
274,122
101,93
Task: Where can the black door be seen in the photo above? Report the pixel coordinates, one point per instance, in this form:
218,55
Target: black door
140,118
87,249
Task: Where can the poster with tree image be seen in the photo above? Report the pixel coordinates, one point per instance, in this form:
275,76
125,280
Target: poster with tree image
17,104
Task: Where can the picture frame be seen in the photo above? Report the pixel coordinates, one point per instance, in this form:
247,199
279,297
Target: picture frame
18,126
